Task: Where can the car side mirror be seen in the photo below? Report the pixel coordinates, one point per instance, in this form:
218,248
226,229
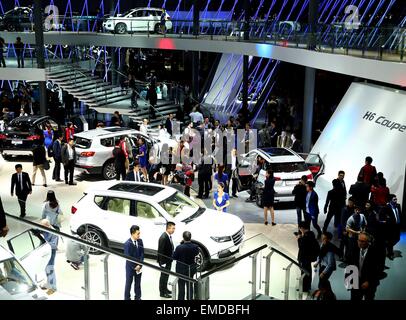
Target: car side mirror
160,221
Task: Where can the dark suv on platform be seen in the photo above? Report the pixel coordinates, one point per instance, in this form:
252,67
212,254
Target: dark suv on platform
21,133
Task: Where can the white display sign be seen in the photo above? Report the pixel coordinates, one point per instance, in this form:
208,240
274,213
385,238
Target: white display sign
370,121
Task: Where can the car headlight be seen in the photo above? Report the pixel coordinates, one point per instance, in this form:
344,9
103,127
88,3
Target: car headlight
221,239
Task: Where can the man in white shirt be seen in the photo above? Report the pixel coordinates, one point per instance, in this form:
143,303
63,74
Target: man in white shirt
144,127
68,159
196,116
136,174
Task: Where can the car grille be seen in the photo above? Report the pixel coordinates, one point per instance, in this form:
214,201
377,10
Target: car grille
238,237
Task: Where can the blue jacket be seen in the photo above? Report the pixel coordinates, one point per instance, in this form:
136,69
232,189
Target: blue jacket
131,250
312,206
185,255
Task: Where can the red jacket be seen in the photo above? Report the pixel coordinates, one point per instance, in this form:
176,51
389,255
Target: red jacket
69,132
368,173
379,195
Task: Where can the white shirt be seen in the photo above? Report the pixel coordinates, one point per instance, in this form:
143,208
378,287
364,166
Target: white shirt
144,129
196,117
233,162
70,152
137,176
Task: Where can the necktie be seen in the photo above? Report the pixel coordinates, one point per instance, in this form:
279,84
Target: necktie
170,238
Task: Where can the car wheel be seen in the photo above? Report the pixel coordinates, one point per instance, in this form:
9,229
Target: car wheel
96,237
109,171
6,157
121,28
157,28
202,260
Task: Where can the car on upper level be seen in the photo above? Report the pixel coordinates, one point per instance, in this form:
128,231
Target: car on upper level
288,167
138,19
108,210
17,19
21,134
94,149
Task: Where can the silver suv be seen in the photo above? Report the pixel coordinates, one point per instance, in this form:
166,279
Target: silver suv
94,149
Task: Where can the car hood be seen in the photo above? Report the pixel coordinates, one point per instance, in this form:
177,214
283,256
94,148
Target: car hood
216,223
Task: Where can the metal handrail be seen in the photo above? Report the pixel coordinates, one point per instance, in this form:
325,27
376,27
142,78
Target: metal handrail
233,261
289,259
99,248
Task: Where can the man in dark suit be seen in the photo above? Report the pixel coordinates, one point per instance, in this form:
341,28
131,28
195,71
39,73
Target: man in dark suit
296,144
360,191
68,156
391,214
3,223
22,184
342,187
168,124
312,207
134,248
57,154
185,256
365,259
135,174
165,252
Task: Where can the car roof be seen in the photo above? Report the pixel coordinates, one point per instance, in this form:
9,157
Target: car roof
279,155
133,190
148,8
32,119
4,254
109,131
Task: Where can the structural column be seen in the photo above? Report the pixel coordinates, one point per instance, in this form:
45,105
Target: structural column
245,61
195,54
39,44
310,79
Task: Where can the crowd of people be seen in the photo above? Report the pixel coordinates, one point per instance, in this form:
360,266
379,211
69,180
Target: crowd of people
367,226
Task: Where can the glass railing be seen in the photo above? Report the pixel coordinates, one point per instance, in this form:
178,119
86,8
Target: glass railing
385,43
242,268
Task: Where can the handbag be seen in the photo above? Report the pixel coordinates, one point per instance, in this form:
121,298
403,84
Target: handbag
47,165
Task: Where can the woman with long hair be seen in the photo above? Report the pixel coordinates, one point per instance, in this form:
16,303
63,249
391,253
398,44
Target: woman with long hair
268,197
51,210
221,199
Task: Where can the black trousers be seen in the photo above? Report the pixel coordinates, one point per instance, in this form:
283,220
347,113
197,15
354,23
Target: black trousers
359,294
56,174
69,168
163,280
187,191
307,280
204,184
234,187
130,276
185,287
20,60
336,213
313,220
121,172
22,199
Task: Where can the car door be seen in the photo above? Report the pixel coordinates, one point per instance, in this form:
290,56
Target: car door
118,218
139,22
33,251
246,169
151,222
315,164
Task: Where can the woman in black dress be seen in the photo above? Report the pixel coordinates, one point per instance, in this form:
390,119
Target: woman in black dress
268,197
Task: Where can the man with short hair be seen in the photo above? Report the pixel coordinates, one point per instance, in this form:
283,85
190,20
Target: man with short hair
68,156
19,50
135,174
392,213
22,184
312,207
365,259
355,225
360,191
134,248
342,187
308,252
185,255
299,191
368,172
57,155
165,252
346,213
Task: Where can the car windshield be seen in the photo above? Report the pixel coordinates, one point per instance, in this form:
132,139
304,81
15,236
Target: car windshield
289,167
23,126
13,278
126,13
177,204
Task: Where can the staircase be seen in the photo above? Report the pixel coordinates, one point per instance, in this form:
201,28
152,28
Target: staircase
86,87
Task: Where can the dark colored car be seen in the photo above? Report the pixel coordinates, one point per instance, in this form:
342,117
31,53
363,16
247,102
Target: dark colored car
18,19
21,134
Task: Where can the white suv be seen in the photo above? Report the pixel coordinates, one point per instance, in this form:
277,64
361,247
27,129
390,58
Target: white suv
139,19
288,167
110,209
94,149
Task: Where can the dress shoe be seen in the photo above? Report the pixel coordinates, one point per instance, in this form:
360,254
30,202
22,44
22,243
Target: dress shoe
66,182
72,183
168,291
273,224
235,196
58,180
165,295
22,215
45,185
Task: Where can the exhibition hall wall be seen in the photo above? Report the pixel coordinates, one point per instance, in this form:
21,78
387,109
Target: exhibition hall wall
369,121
